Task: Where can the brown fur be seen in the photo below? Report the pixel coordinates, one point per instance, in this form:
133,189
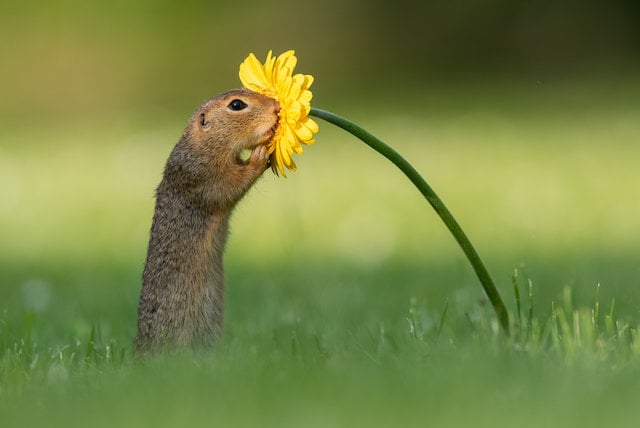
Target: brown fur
182,297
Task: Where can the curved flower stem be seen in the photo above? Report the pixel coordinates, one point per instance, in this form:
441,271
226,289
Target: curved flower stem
434,200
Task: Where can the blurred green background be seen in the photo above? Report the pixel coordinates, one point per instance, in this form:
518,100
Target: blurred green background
94,58
525,118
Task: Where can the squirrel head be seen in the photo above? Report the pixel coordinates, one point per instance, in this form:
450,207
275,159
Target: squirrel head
234,121
206,165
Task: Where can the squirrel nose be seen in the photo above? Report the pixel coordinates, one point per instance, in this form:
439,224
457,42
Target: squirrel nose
277,109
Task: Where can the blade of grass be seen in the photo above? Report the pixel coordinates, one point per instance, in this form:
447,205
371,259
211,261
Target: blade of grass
516,292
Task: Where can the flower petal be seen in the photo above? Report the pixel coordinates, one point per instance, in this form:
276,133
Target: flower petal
275,79
303,133
311,124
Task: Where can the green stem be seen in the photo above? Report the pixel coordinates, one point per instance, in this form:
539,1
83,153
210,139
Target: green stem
437,204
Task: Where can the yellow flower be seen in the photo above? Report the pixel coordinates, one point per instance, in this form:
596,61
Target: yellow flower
275,79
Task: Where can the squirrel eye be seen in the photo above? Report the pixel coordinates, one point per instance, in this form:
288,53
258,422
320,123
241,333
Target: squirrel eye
237,105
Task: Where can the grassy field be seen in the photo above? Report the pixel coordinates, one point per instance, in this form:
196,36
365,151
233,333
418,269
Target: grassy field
348,302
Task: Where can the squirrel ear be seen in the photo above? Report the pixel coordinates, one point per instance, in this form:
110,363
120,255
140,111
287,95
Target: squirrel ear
203,121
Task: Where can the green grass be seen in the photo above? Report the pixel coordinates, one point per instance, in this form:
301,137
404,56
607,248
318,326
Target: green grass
295,363
348,302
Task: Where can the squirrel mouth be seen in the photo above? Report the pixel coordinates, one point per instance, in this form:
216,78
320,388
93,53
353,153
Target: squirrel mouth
245,154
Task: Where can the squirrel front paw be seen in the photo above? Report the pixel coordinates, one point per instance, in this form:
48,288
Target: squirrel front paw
259,158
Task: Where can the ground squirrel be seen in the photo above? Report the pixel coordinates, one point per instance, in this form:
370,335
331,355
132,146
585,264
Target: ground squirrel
182,297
